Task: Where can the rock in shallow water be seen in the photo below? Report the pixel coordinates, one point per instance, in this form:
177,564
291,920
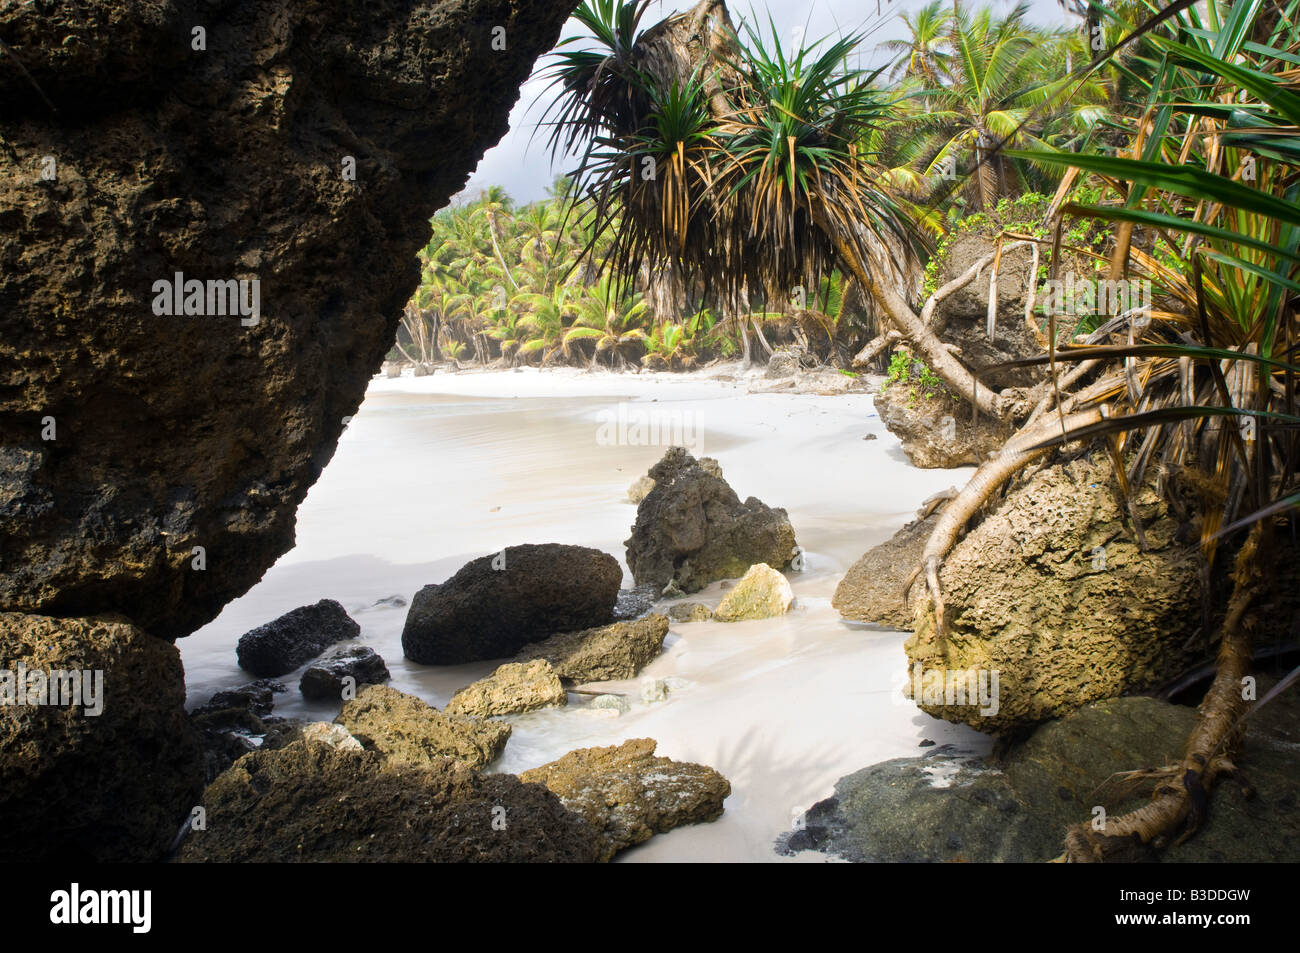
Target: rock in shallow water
762,593
328,677
314,802
627,794
84,787
945,807
513,688
298,636
612,651
692,528
690,612
496,604
403,728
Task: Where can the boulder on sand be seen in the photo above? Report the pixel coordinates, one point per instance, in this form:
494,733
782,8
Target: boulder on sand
102,769
692,528
327,678
612,651
690,612
872,589
627,794
513,688
401,727
298,636
760,594
314,802
495,605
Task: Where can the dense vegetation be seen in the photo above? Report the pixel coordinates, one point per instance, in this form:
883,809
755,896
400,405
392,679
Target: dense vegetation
508,282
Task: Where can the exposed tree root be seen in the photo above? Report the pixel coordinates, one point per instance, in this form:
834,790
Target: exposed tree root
1181,799
1016,454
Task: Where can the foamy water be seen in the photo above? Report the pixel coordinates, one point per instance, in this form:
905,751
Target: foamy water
435,471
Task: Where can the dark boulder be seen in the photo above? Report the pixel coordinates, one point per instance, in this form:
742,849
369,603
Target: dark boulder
298,636
495,605
326,679
693,529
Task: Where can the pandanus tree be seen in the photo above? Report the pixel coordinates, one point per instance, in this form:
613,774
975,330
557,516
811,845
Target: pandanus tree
741,165
1199,396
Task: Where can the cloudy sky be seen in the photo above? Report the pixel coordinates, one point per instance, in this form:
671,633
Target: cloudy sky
525,169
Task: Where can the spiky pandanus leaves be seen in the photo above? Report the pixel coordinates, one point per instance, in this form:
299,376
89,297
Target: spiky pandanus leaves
1209,386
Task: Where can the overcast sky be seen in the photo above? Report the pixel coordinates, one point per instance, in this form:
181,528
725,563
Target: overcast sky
526,170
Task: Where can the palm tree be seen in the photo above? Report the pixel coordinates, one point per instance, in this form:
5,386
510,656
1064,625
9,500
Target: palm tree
927,52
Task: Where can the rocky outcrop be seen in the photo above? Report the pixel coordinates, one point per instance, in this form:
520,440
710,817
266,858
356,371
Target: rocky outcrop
627,794
496,604
107,767
328,678
760,594
936,428
612,651
151,462
281,645
285,733
513,688
229,722
692,528
403,728
1052,592
949,807
872,589
314,802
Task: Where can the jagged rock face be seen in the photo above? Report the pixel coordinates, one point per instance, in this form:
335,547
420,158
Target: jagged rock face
107,767
128,438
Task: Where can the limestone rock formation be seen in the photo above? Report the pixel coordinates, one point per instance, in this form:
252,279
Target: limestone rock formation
1052,591
314,802
693,529
496,604
619,650
627,794
327,678
513,688
403,728
760,594
281,645
80,786
151,463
